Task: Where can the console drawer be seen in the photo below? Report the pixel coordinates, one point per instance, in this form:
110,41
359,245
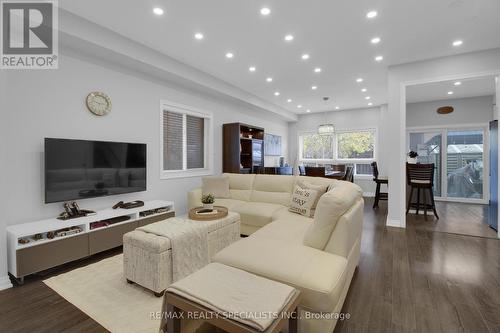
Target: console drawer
110,237
40,257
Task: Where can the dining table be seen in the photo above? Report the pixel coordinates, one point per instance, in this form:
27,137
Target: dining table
334,174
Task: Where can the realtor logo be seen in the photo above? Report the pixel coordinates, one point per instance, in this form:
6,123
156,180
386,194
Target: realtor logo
29,38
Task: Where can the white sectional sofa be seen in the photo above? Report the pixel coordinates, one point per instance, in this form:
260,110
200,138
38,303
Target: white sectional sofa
316,255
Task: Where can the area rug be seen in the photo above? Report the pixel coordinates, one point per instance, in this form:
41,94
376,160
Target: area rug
101,291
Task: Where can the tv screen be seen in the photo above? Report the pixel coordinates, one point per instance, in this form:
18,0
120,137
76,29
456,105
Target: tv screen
80,169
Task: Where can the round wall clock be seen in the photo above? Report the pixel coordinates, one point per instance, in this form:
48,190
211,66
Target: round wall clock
99,103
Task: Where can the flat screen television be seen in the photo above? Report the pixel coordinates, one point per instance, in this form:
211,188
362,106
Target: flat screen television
81,169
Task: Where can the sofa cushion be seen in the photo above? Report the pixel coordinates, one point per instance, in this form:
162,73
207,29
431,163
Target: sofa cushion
257,213
272,189
285,214
230,204
216,185
302,200
240,185
331,206
320,276
291,231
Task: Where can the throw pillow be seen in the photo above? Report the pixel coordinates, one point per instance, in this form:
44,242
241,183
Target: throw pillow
216,185
302,200
322,189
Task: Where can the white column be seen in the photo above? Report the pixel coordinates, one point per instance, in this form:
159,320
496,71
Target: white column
4,278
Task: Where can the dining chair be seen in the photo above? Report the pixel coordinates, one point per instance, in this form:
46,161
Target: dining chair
421,176
302,170
349,174
379,180
315,171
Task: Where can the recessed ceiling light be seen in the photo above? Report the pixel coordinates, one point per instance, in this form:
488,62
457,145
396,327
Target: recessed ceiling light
363,90
370,104
375,40
288,38
158,11
371,14
450,92
379,58
229,55
314,87
198,35
252,69
367,97
337,107
317,70
265,11
299,106
308,111
289,100
359,80
277,93
305,56
269,79
458,83
457,43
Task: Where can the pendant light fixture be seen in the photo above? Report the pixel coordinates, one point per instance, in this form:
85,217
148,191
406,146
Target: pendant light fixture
326,128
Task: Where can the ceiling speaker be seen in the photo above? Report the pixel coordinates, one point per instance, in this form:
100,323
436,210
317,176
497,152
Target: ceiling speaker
445,110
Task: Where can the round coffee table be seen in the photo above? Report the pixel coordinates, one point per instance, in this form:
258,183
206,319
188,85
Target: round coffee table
221,212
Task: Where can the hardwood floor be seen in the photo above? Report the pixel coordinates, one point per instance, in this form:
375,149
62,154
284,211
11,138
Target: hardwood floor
413,280
418,280
461,218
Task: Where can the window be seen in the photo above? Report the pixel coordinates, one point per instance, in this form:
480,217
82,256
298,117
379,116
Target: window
316,147
350,147
185,137
356,145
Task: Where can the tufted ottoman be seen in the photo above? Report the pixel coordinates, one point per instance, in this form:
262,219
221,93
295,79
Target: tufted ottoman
147,258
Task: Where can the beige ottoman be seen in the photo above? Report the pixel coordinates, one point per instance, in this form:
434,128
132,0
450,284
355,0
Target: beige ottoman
147,258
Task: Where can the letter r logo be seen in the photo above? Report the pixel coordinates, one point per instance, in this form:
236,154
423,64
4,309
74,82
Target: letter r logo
27,28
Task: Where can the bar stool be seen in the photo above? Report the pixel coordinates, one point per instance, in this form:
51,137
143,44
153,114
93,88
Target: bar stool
379,181
421,176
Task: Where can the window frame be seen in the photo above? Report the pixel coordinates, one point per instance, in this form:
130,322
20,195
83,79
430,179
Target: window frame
335,158
185,110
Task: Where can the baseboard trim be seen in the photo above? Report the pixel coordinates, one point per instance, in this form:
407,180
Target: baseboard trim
368,194
393,223
5,282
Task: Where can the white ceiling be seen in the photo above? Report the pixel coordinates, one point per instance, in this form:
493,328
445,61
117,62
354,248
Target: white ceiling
336,35
438,91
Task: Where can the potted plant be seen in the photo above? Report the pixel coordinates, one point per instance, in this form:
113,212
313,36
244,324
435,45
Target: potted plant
208,201
412,157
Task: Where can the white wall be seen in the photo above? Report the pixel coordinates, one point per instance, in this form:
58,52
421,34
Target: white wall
472,110
52,104
4,141
344,119
447,68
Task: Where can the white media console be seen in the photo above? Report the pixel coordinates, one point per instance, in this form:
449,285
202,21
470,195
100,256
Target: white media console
36,246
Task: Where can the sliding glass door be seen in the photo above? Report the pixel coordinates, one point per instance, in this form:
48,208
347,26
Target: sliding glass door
428,145
464,164
461,168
